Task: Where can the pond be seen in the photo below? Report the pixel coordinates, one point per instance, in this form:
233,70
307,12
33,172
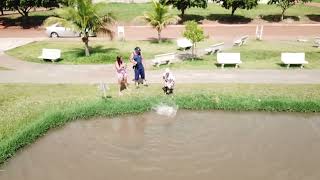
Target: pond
201,145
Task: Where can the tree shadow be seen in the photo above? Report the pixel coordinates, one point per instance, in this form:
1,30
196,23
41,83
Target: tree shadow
25,23
99,49
226,66
293,66
277,18
191,17
314,17
163,41
228,19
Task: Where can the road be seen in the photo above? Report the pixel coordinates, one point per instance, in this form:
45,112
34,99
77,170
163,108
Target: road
218,32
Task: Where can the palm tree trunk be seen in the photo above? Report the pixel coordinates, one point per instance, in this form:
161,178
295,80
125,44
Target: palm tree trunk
85,40
159,36
282,14
86,48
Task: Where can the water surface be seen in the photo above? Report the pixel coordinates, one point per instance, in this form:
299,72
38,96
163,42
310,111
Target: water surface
191,146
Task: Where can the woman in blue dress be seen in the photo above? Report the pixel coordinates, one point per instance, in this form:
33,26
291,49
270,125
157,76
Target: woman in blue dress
138,66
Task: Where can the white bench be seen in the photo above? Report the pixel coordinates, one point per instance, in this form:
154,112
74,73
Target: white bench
241,41
229,58
50,54
163,59
214,48
184,43
293,58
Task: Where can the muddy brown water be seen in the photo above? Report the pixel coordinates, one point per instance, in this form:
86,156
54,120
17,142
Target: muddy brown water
192,145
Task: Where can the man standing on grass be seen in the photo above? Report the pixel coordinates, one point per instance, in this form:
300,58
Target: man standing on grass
137,61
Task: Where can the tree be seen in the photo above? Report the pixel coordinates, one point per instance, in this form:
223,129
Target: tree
194,33
182,5
85,17
235,4
24,6
160,17
285,4
3,4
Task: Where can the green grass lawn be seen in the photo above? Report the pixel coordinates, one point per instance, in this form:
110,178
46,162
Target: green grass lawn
255,54
102,52
27,111
258,55
4,68
128,13
268,13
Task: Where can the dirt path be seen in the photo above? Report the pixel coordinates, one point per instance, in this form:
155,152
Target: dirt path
26,72
314,4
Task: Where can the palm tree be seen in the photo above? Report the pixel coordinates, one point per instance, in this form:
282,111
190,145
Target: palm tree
85,17
160,17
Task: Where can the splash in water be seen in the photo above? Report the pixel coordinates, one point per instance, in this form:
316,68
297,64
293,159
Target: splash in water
166,110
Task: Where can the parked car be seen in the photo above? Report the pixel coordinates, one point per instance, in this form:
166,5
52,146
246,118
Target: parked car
57,30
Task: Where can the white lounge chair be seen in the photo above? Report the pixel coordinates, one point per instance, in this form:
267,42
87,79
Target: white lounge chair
214,48
163,59
184,43
50,54
229,58
293,58
241,41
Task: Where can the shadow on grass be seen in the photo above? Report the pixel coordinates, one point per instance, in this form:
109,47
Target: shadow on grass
26,23
277,18
189,57
226,66
191,17
50,61
98,55
314,17
293,66
228,19
163,41
79,52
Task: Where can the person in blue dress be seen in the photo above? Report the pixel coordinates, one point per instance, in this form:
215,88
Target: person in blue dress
138,66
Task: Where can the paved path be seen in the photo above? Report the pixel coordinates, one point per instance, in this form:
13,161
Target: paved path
26,72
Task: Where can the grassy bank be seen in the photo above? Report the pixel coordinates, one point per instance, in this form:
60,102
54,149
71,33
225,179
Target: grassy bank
28,111
128,13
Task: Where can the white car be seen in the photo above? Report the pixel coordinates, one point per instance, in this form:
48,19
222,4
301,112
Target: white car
57,30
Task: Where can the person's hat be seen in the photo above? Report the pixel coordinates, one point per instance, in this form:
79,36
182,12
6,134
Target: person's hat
137,49
167,70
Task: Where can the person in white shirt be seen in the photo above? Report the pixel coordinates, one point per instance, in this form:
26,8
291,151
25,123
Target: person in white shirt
169,82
